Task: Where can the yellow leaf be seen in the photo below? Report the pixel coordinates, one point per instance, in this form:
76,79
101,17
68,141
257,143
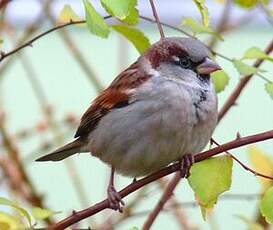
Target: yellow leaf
67,14
9,222
262,164
203,10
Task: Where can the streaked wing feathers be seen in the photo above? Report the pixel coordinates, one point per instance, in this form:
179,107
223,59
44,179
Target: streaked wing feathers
115,96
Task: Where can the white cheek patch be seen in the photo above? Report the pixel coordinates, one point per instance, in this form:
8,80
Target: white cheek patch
175,58
153,72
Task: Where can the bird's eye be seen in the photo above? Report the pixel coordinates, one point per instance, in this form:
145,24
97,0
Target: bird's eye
185,62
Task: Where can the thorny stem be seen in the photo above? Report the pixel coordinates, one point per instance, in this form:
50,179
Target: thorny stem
80,215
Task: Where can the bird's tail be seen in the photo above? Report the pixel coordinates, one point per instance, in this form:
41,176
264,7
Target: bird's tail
79,145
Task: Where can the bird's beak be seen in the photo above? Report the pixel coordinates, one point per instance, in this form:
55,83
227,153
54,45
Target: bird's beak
207,67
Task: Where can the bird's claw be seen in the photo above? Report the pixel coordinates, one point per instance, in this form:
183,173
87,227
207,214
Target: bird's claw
185,165
115,201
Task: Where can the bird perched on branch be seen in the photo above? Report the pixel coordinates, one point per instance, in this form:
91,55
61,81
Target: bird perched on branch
161,109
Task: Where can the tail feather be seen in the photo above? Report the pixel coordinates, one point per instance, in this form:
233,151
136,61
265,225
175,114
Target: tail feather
65,151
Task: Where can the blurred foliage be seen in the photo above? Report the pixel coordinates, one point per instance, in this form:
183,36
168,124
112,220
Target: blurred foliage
14,221
203,10
269,88
198,28
262,163
250,3
67,14
4,201
250,223
266,205
257,53
245,69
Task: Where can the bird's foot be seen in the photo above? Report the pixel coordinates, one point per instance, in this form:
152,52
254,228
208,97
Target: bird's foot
115,201
185,165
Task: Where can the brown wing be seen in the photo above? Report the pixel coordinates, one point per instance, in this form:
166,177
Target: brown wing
115,96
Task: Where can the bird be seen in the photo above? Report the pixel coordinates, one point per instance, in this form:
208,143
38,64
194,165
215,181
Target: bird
161,109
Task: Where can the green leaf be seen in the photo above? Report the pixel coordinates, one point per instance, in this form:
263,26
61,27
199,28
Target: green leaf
132,18
269,88
4,201
119,8
244,68
220,80
198,28
266,206
1,41
9,222
134,228
256,53
41,214
203,10
139,40
95,22
67,14
250,224
210,178
246,3
262,164
265,2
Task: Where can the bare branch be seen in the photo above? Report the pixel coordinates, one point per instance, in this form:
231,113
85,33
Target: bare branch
243,165
157,20
80,215
168,192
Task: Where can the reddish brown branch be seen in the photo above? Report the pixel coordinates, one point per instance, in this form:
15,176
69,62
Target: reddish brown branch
29,43
31,194
80,215
168,192
242,84
243,165
3,3
157,20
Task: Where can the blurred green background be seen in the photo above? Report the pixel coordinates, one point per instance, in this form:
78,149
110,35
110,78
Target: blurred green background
52,75
68,90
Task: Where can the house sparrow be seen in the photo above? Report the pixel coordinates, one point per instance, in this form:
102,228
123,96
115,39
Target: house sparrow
161,109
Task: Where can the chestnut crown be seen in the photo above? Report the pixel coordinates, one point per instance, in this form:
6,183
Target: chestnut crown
188,53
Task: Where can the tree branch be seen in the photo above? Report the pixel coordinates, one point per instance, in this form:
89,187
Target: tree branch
243,165
80,215
157,20
168,192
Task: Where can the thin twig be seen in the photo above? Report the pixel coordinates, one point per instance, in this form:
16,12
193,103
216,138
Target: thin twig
221,26
28,32
157,20
80,215
30,42
242,164
194,204
168,192
178,212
